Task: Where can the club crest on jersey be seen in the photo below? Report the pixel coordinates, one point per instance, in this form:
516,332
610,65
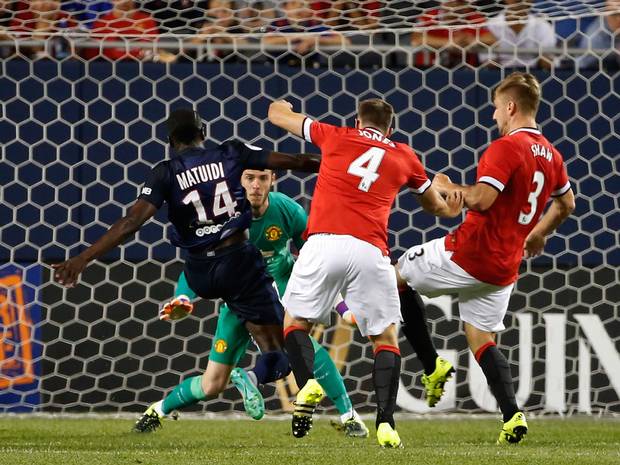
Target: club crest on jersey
220,346
273,233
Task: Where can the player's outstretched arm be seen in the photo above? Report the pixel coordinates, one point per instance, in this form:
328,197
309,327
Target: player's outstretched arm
561,207
307,162
282,115
432,202
67,272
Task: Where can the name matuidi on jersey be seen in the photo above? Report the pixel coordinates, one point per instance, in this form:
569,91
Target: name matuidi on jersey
198,174
541,151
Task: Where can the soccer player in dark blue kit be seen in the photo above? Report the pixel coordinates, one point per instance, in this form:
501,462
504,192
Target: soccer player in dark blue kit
210,215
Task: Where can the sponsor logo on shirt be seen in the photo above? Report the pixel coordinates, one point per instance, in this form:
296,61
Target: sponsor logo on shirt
273,233
215,228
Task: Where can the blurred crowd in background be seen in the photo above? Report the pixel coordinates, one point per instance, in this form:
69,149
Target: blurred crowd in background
450,33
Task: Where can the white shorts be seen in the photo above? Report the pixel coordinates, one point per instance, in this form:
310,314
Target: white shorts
329,264
427,268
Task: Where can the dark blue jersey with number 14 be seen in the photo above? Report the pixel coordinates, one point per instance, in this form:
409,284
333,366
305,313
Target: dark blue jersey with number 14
206,201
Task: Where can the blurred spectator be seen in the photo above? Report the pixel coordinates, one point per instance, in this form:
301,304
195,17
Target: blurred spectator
255,16
603,34
292,29
40,20
360,15
177,17
85,12
449,44
6,14
516,28
124,19
359,19
218,28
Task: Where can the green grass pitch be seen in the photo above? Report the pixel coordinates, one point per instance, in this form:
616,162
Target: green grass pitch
461,440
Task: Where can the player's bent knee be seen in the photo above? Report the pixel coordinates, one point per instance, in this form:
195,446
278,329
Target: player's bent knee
389,337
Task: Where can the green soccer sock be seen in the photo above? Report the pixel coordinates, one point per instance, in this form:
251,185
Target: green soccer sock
189,392
328,376
183,288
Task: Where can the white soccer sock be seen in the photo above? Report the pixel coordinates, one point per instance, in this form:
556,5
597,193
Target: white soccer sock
252,377
350,414
158,408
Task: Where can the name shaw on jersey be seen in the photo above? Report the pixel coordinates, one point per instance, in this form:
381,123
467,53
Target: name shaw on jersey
198,174
541,151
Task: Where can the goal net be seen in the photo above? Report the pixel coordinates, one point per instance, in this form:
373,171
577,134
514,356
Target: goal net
85,88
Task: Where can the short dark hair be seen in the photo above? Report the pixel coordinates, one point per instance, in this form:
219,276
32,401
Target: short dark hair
184,126
524,88
376,112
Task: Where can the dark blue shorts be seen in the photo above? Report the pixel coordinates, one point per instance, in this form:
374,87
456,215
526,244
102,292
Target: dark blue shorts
236,274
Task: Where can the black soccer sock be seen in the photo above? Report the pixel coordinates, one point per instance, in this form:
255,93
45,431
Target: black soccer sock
385,376
415,329
497,371
300,354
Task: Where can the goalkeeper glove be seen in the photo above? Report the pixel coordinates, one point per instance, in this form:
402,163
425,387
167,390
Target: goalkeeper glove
177,308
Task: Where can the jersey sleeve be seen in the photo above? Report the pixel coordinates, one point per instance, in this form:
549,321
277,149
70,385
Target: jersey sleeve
251,156
317,132
418,180
497,164
157,187
562,186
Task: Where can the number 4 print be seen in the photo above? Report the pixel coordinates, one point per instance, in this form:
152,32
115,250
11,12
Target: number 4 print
372,159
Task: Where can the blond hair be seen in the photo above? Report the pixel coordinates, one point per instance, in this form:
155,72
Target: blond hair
524,88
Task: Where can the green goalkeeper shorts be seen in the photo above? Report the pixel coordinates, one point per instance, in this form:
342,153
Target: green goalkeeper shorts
231,338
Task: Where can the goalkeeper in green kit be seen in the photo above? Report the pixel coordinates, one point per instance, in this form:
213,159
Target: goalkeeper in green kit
276,220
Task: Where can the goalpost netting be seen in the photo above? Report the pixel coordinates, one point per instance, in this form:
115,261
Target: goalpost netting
83,100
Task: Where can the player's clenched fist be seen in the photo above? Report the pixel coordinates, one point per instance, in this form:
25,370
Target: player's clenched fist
176,309
283,104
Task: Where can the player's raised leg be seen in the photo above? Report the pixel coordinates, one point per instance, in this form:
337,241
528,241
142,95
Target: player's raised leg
437,370
497,371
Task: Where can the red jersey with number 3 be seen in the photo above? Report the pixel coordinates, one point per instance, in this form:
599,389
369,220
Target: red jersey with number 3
361,174
526,170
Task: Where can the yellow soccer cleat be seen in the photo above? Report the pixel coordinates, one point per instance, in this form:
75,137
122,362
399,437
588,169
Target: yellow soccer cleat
434,383
388,437
150,421
307,399
513,430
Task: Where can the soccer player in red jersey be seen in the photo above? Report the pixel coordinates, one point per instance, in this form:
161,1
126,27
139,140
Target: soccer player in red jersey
479,261
361,172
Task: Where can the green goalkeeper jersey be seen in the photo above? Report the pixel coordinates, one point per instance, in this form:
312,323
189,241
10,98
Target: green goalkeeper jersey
283,220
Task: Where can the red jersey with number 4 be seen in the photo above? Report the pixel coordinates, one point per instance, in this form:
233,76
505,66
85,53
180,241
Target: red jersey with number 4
526,170
361,174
